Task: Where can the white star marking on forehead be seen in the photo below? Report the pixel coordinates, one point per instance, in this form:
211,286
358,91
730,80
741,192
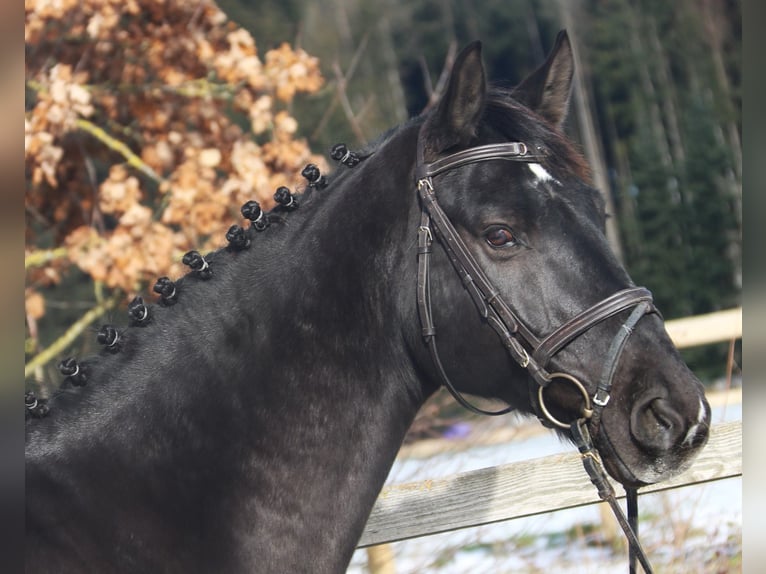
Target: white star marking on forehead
541,173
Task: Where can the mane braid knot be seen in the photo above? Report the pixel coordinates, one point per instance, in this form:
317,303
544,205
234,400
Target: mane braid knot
314,176
285,199
198,263
34,407
167,291
341,154
109,336
252,210
138,312
73,371
237,238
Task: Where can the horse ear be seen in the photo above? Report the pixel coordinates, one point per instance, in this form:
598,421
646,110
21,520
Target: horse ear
547,89
459,111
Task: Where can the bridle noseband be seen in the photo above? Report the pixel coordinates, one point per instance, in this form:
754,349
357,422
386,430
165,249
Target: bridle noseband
527,350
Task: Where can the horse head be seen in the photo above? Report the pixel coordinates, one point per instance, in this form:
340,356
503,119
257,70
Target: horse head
580,340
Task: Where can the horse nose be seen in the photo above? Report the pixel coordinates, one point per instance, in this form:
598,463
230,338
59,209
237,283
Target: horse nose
657,425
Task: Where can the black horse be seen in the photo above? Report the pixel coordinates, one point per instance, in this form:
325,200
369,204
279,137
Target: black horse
250,418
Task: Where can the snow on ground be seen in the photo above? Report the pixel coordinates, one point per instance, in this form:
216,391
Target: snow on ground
693,529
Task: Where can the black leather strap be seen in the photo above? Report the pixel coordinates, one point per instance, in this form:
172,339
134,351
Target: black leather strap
514,151
490,305
598,478
592,316
604,387
425,241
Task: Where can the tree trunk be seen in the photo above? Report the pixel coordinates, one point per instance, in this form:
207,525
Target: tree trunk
668,98
588,127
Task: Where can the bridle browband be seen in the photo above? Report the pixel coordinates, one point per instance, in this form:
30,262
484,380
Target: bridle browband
526,349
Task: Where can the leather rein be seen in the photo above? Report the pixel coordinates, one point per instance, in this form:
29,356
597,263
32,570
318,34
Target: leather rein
529,351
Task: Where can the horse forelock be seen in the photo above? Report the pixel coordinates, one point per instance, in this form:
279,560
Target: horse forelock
519,123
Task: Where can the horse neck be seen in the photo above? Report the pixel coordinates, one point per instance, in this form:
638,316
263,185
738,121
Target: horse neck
288,408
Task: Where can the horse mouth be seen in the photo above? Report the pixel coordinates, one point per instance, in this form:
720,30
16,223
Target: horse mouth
660,445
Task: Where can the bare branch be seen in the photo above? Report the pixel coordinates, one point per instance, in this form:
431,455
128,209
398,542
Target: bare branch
115,144
441,83
346,105
43,257
336,100
70,335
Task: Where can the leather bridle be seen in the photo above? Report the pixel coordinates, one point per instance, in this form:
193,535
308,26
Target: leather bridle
527,350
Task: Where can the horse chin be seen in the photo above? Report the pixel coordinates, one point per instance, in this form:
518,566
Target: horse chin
634,467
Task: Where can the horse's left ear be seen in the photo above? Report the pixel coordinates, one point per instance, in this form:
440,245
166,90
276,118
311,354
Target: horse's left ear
457,116
547,89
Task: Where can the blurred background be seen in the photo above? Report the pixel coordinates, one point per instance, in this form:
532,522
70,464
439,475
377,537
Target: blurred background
148,123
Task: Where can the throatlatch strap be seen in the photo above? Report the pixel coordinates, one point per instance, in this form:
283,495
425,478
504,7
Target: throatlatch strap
485,296
425,241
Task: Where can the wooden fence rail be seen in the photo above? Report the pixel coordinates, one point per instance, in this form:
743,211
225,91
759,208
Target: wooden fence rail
527,488
545,484
709,328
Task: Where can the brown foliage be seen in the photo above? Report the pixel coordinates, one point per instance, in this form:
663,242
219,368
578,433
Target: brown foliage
134,140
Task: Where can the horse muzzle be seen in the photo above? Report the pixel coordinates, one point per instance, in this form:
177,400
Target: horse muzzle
663,437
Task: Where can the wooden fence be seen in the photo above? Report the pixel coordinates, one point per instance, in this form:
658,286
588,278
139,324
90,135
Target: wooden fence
545,484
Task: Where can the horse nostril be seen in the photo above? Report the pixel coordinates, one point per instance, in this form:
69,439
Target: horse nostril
656,425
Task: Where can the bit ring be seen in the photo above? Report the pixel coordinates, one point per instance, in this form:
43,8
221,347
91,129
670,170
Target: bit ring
587,410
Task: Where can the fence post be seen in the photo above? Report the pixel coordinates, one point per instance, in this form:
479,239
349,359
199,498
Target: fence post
380,559
609,527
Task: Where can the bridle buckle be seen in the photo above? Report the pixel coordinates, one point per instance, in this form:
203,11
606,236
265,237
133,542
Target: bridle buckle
524,362
426,183
601,402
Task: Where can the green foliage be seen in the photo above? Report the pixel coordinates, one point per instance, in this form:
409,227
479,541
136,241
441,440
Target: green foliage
655,253
710,216
270,22
672,126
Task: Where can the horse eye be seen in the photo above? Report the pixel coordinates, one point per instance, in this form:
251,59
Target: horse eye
500,237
